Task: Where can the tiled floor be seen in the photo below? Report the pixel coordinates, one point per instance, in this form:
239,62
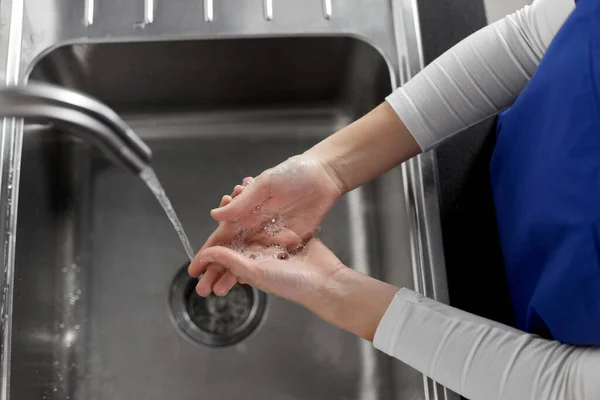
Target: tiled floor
496,9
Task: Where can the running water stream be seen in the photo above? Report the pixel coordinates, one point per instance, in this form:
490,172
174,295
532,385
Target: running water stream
154,185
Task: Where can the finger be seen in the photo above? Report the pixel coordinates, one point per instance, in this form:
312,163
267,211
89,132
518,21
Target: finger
251,197
225,283
197,268
223,234
238,264
286,238
240,188
225,200
206,283
237,190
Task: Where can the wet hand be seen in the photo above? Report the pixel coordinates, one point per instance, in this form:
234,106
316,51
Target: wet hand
282,206
296,194
301,277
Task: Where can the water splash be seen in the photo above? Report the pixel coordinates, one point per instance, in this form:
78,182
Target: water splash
151,180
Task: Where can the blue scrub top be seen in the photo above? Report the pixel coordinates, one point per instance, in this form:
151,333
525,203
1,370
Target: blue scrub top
545,175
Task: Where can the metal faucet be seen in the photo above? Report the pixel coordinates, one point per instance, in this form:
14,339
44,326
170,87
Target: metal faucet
84,116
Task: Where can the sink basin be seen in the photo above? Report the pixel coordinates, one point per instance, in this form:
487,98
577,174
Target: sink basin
98,265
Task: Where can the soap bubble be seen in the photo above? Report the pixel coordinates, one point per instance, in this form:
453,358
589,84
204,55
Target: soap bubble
271,227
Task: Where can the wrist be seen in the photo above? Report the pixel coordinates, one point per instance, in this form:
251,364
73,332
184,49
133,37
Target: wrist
353,301
332,164
365,149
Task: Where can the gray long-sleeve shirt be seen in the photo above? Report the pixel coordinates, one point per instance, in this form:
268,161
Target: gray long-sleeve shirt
475,357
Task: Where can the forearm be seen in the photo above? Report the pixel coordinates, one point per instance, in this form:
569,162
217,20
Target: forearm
481,359
353,301
481,75
366,148
474,80
475,357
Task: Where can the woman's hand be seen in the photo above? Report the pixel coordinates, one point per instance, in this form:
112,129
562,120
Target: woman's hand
300,278
283,206
313,277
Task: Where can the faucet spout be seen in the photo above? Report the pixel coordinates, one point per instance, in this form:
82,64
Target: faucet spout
86,117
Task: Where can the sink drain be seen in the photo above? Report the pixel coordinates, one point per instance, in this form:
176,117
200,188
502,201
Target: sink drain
214,320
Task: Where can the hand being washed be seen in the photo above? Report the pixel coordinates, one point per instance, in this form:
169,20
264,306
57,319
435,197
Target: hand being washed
298,278
313,277
282,206
285,204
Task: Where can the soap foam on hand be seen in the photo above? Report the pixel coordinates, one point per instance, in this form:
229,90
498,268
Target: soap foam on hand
260,253
274,226
271,227
257,252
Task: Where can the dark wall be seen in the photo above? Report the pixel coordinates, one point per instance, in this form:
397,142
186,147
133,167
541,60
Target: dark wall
474,263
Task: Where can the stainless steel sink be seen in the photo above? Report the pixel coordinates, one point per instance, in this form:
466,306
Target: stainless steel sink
96,256
95,303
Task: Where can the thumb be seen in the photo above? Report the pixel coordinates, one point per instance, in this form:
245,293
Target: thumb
238,264
252,196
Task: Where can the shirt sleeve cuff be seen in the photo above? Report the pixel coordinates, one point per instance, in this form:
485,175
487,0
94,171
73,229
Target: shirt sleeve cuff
408,114
387,331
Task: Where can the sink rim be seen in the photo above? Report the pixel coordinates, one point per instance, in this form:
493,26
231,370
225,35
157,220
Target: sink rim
41,55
